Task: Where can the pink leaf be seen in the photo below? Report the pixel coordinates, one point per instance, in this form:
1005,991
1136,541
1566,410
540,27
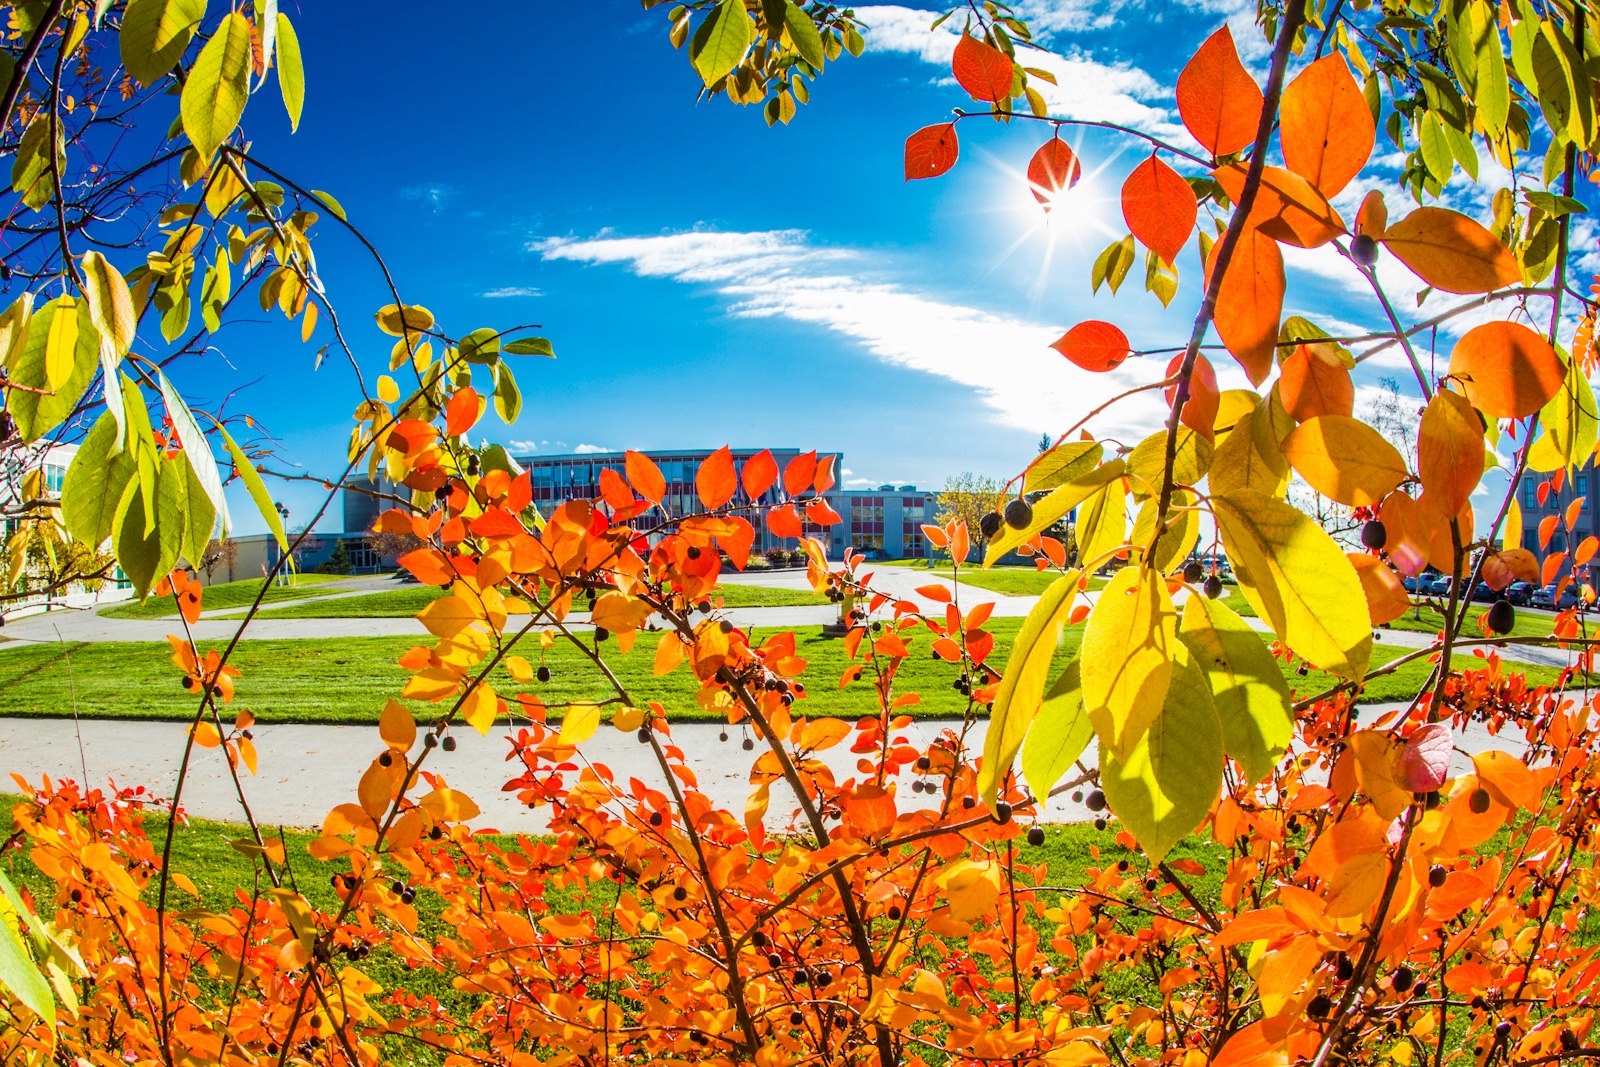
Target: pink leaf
1426,758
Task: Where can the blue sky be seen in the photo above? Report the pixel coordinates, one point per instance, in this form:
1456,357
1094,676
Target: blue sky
707,280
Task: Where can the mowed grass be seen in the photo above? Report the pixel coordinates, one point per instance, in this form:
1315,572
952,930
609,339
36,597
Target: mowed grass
405,602
343,680
239,594
1428,619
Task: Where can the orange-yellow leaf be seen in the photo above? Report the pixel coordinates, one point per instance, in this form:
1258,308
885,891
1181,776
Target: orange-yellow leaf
1159,208
1507,370
645,476
760,472
479,706
1314,381
1287,208
1451,252
1387,599
1344,459
1450,450
396,726
461,411
1250,302
716,481
1325,126
1219,102
579,723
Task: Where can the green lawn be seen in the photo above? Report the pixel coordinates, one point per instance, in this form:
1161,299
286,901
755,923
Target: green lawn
1429,620
349,679
239,594
406,601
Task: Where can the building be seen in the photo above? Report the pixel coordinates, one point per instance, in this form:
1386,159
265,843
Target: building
885,523
1580,484
17,462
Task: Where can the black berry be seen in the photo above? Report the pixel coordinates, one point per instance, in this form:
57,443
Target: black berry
1502,617
989,525
543,673
1036,836
1096,801
1213,587
1364,250
449,744
1019,513
1193,573
1478,801
1373,535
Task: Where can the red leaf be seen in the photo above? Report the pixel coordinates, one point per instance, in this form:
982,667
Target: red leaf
934,592
716,481
931,151
645,476
982,69
520,494
798,475
1094,345
1217,99
1053,168
760,471
785,522
1159,207
818,513
824,479
461,412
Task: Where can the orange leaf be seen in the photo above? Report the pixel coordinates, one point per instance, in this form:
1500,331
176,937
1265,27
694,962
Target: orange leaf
818,513
760,472
1250,302
1507,370
1200,410
1372,218
645,476
1094,345
1408,542
1574,509
824,477
1218,100
1287,208
785,522
1547,530
1314,381
1451,252
429,565
461,411
799,473
1325,126
614,490
1053,168
1508,779
1159,207
931,151
1387,599
1450,450
983,70
715,480
934,592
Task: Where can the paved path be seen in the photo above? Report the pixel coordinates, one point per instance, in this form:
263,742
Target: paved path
305,771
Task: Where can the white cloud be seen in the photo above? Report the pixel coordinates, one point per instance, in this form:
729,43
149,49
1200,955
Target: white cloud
512,290
435,194
584,450
1006,361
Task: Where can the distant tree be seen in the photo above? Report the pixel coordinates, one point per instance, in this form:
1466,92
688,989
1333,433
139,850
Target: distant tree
387,545
968,497
1045,442
220,553
338,561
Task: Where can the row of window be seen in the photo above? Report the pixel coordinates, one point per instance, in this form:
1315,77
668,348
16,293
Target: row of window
1530,489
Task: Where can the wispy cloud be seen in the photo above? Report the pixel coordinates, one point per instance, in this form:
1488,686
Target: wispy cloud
1006,361
585,449
511,291
435,194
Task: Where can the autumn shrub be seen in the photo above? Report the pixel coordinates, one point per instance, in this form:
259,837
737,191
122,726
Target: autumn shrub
1360,884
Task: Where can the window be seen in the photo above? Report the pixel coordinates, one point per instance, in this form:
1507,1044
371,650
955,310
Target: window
1583,485
1530,492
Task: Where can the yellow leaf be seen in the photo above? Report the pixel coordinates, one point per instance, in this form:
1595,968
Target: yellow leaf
110,303
388,389
619,612
206,735
61,344
1450,451
1127,657
579,724
519,669
449,615
628,719
218,85
1344,459
448,805
1022,685
1451,252
478,707
970,888
396,726
376,788
1297,579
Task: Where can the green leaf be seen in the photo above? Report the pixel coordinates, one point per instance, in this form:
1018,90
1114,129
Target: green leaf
1298,580
218,85
529,346
96,480
1147,463
39,413
1128,645
292,82
1571,423
1247,688
110,303
1113,264
1022,685
481,346
507,396
1060,733
721,41
258,489
137,529
19,974
804,35
197,456
1553,205
330,203
1163,788
31,176
1061,465
1051,507
155,34
1250,455
215,291
198,510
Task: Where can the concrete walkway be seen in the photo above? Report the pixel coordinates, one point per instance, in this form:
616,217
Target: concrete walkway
306,771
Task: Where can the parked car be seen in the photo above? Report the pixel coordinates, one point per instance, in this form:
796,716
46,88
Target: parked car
1520,593
1440,585
1483,591
1547,598
1412,583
